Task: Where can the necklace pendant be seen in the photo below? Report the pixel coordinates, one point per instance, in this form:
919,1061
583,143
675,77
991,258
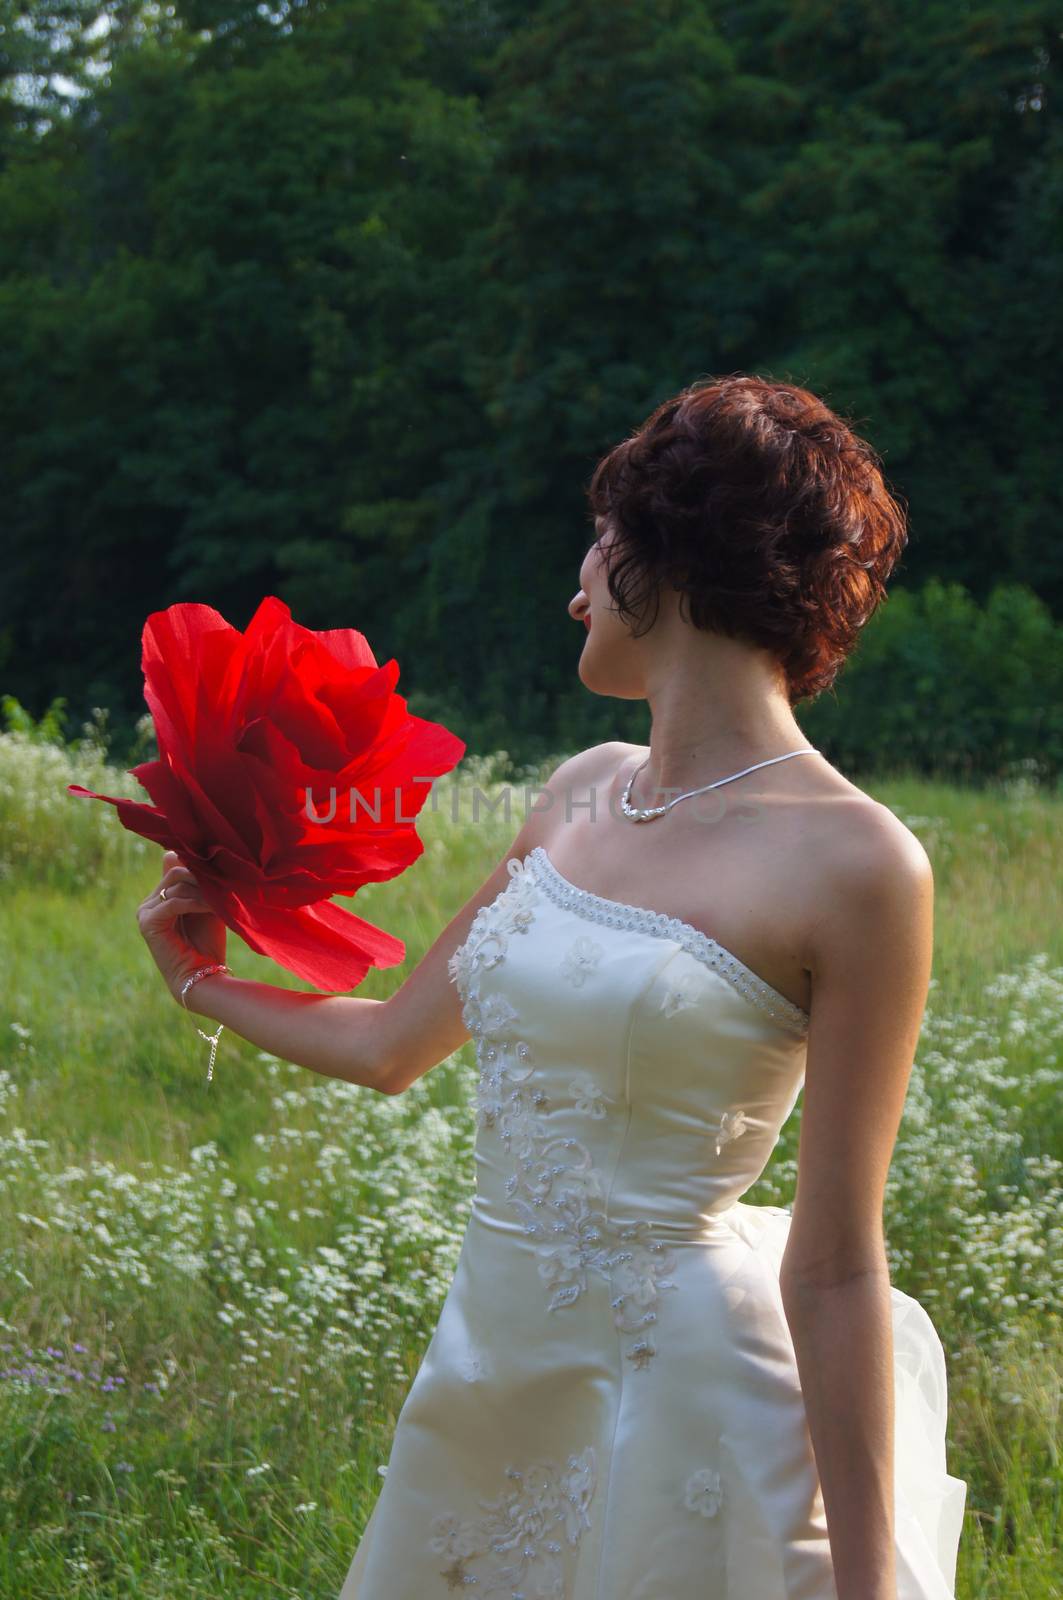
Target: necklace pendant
635,814
640,814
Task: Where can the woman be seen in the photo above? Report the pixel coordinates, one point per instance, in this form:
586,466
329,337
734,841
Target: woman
642,1387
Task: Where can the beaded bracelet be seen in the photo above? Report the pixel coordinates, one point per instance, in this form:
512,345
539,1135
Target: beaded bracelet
211,1038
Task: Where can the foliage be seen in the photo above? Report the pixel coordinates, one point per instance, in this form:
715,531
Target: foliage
214,1298
941,685
343,301
47,835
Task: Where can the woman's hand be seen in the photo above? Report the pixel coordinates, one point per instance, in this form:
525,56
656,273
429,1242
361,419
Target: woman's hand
181,931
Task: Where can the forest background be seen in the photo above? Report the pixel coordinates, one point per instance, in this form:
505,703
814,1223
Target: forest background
343,301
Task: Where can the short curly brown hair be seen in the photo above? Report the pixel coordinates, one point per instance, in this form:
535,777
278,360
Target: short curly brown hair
764,509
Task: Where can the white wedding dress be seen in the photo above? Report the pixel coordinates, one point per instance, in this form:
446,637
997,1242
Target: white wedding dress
609,1407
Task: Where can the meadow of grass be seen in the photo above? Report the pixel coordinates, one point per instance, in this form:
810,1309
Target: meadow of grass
214,1297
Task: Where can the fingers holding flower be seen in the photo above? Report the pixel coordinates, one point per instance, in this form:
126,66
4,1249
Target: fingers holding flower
178,925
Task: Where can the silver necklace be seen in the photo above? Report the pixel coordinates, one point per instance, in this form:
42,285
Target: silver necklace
647,813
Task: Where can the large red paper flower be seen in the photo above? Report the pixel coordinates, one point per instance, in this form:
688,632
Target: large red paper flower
260,733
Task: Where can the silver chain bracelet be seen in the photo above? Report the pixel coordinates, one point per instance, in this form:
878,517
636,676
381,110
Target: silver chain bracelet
211,1038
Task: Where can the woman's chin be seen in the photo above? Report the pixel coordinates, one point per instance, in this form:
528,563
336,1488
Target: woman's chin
587,677
598,682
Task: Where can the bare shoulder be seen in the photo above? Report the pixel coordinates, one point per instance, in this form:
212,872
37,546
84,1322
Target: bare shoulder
874,879
574,776
588,766
870,844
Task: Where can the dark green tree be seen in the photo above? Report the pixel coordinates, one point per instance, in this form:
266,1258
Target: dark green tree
344,301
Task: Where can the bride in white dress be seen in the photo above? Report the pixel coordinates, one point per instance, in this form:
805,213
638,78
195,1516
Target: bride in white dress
642,1387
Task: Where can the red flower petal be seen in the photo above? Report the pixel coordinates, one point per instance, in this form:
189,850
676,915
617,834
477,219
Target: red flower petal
172,638
194,818
255,731
134,815
323,944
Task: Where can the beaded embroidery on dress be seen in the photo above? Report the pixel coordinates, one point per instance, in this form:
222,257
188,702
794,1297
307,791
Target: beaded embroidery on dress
609,1406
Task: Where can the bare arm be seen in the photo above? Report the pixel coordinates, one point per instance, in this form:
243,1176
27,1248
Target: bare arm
870,959
384,1044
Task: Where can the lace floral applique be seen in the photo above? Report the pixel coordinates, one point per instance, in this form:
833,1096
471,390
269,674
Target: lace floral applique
590,1097
587,1240
554,1182
511,911
515,1547
459,965
504,1063
581,959
733,1125
704,1492
473,1366
680,993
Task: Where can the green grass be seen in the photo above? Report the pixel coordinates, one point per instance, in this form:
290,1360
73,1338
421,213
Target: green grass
245,1275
